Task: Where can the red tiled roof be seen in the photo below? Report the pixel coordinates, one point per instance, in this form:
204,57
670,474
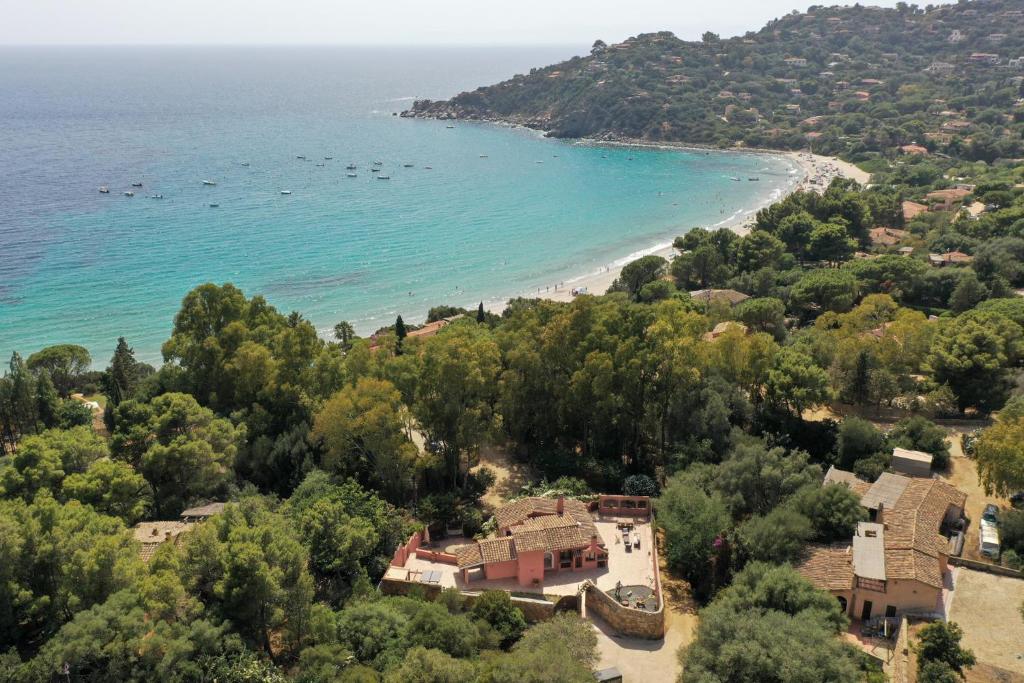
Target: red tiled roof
829,567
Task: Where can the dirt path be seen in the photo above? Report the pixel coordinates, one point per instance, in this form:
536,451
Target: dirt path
98,425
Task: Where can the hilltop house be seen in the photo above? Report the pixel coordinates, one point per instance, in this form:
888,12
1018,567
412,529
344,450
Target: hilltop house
897,563
536,535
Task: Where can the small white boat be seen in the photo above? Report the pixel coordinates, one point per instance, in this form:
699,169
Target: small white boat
378,163
351,175
104,189
383,177
374,170
244,163
129,194
156,196
328,158
286,191
483,156
449,126
734,178
319,164
428,168
209,182
350,167
300,157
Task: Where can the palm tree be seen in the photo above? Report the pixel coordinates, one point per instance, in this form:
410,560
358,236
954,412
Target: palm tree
344,333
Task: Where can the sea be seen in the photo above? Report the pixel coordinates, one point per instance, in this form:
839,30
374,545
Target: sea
471,212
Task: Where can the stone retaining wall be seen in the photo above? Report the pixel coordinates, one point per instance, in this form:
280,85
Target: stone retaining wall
534,609
986,567
626,620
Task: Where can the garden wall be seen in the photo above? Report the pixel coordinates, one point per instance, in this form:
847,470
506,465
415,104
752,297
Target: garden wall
626,620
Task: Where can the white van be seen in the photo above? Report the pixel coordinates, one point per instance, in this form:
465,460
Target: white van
988,540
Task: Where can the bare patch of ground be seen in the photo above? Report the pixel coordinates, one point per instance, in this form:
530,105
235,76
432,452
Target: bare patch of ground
963,474
510,476
987,607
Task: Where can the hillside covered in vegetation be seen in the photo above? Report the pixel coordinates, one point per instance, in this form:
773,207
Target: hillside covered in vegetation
850,80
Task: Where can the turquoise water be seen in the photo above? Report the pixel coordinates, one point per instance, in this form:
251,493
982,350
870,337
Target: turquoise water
83,267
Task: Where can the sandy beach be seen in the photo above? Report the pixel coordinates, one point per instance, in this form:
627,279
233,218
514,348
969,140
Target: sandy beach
815,171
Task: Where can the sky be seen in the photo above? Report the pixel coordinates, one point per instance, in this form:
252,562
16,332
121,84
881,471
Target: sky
375,22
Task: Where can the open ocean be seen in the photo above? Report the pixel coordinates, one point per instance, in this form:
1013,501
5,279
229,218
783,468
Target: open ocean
82,267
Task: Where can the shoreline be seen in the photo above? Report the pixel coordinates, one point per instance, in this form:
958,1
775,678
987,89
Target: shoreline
814,173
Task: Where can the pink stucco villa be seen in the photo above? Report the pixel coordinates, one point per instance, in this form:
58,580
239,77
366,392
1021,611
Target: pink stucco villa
535,535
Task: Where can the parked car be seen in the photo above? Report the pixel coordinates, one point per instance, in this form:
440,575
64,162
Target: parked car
991,514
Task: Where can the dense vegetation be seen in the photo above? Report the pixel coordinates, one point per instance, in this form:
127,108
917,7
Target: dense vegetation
854,80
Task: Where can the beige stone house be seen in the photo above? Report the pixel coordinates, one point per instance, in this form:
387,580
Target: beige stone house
897,563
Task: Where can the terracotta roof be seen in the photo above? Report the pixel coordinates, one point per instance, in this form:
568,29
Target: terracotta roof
518,511
829,567
497,549
153,534
911,209
912,540
468,555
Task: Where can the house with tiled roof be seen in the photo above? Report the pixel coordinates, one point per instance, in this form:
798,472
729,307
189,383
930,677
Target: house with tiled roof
151,535
536,536
896,563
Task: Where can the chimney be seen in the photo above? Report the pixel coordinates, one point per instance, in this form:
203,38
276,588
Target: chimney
154,532
560,505
880,516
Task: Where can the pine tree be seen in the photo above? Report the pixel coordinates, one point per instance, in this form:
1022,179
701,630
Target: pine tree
480,317
401,333
23,397
123,373
47,400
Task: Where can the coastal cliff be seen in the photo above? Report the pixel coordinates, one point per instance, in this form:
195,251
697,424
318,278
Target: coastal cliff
837,80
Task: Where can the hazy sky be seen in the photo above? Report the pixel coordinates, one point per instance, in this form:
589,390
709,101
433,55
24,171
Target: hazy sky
375,21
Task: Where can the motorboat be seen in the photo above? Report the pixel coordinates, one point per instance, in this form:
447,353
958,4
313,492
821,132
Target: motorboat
383,177
244,163
319,164
209,182
129,194
136,184
214,206
156,196
753,179
350,167
449,126
104,189
351,175
407,165
328,158
300,157
286,191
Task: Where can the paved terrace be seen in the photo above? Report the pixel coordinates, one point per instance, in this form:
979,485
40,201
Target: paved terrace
635,568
